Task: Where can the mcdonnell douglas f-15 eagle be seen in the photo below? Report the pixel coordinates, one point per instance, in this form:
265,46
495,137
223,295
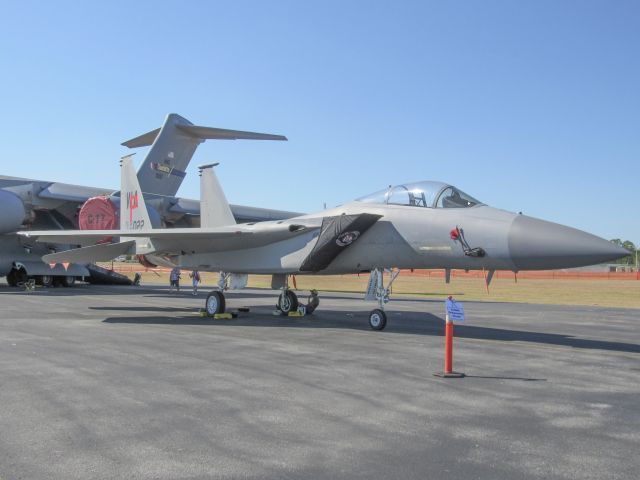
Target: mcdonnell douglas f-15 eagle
419,225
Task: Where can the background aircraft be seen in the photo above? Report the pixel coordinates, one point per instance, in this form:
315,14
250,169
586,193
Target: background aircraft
42,205
420,225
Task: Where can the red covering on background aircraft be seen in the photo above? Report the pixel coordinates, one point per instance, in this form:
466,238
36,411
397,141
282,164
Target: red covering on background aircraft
98,213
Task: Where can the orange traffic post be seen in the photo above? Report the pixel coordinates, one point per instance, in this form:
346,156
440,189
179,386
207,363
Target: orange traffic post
448,346
448,350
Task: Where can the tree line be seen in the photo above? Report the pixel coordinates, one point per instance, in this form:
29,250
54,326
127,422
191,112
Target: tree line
633,251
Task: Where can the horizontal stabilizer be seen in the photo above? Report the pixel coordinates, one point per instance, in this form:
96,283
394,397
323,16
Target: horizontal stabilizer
211,133
94,253
143,140
172,147
204,133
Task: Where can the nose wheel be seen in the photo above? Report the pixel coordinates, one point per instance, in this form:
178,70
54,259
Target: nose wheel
376,290
377,319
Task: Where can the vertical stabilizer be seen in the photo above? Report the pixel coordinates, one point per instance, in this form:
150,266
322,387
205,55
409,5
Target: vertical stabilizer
165,165
214,208
133,211
172,147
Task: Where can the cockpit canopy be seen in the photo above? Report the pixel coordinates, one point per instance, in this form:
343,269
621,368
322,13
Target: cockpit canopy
422,194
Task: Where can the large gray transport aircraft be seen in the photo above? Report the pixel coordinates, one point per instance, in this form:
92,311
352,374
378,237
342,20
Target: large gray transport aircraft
420,225
42,205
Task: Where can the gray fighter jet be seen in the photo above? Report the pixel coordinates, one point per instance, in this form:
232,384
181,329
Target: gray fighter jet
419,225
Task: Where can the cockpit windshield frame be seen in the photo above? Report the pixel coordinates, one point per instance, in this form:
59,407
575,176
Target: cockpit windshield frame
427,194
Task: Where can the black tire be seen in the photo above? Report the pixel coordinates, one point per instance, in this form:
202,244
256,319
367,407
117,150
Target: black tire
11,279
215,303
44,280
17,278
287,302
377,319
68,281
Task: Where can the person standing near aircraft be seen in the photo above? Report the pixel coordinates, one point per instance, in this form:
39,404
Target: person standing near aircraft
174,279
195,280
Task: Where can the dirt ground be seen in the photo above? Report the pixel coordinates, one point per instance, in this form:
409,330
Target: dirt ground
589,292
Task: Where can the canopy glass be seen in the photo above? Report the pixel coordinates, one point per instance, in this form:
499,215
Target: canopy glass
422,194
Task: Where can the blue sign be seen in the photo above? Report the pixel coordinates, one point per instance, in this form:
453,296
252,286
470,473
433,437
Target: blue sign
455,311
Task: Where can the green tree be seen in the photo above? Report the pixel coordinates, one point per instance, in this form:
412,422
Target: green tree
629,245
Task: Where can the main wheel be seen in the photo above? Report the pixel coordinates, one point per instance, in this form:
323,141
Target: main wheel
287,302
11,279
377,319
16,278
44,280
215,303
68,281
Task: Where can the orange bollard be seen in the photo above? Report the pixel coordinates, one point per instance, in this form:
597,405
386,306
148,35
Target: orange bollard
448,352
448,347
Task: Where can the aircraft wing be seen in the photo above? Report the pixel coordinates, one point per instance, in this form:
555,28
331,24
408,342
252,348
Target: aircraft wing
71,193
192,240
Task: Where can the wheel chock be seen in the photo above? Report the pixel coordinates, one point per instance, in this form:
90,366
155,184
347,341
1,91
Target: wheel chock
218,316
244,309
296,314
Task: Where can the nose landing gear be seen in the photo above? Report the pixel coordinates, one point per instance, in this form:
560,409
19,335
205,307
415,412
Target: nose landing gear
376,290
377,319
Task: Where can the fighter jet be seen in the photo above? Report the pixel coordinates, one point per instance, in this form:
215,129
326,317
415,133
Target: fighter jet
412,226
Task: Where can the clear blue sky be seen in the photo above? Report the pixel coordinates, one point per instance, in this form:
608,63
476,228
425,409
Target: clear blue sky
530,106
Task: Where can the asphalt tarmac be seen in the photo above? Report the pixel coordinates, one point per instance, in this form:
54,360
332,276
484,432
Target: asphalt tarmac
125,382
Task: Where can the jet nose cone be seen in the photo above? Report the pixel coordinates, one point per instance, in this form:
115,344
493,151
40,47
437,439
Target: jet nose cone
538,245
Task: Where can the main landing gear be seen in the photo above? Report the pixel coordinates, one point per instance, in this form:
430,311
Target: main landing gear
215,303
287,300
376,290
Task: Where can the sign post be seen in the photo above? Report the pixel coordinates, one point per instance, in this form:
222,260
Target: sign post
455,313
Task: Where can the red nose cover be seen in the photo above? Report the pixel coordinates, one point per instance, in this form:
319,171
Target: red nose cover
98,213
454,233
